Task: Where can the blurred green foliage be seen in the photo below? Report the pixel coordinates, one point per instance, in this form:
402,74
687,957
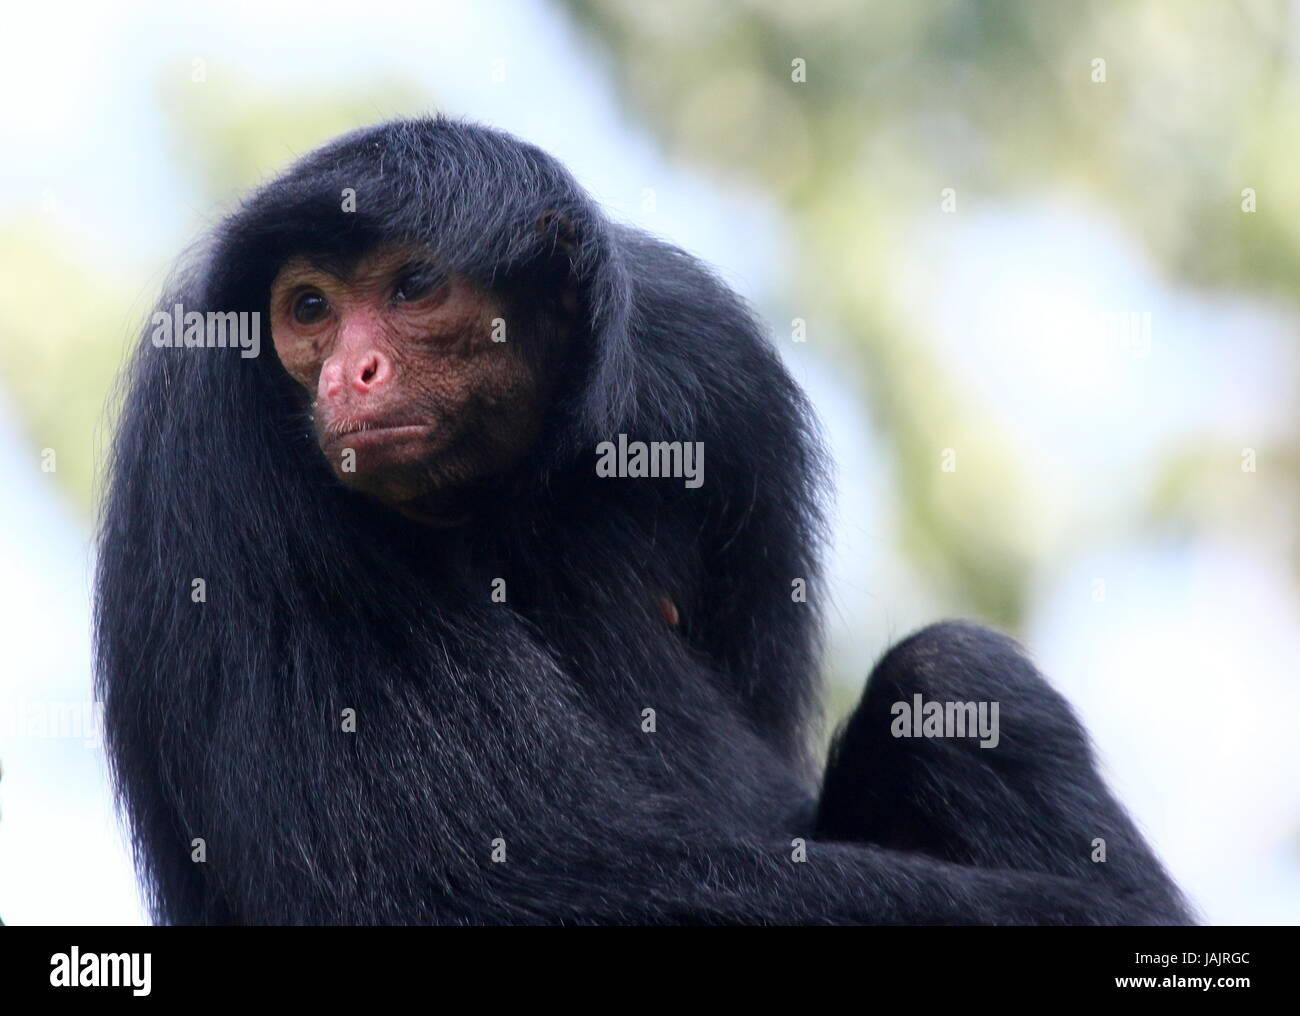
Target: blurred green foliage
55,356
995,99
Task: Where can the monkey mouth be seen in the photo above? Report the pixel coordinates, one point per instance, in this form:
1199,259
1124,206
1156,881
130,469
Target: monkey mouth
346,427
386,459
367,438
362,431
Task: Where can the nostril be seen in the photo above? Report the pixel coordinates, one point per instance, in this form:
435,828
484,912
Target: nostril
370,371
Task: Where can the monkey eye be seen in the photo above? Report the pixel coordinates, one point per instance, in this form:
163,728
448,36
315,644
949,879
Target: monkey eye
417,282
310,307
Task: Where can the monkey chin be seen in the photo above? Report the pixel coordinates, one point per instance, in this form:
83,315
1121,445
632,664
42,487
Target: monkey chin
392,464
409,470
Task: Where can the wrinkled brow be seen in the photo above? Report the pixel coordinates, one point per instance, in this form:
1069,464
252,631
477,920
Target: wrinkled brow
305,269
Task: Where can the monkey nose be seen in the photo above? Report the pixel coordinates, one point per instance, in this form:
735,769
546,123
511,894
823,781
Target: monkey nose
358,373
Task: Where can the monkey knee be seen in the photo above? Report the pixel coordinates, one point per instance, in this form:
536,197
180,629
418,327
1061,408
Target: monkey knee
956,660
957,666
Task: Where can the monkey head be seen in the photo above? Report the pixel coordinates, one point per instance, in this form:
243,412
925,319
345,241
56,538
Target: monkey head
421,381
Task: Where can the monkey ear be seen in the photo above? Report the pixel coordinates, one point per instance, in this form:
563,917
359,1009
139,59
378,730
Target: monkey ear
607,398
563,233
560,242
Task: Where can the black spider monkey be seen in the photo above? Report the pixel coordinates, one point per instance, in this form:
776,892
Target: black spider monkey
377,643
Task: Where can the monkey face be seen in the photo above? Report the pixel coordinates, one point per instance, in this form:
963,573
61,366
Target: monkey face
418,383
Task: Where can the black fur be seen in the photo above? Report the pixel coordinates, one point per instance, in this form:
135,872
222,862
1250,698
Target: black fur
478,720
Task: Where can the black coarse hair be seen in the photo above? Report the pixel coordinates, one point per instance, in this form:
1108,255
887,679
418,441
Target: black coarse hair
474,719
590,700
